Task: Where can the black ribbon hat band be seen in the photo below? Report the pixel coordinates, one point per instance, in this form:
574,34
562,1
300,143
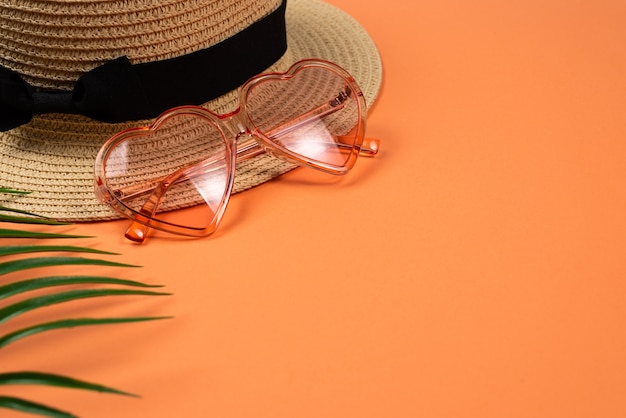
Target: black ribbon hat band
119,91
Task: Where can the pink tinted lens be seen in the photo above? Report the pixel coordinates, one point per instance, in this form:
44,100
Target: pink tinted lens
315,114
181,161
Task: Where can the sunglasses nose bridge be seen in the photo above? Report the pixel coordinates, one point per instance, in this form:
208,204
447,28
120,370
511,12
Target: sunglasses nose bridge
238,128
234,124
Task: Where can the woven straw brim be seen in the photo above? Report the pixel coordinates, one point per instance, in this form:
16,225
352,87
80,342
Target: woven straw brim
53,156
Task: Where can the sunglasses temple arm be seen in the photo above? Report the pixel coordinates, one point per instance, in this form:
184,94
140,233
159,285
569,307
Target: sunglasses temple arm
368,148
138,231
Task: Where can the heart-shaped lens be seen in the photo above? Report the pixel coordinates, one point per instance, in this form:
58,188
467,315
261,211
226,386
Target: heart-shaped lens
313,113
183,159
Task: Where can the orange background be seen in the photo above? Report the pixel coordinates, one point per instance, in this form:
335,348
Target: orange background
475,268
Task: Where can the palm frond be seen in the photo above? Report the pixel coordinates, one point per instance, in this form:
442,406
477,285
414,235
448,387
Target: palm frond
27,249
12,233
54,294
27,305
22,286
29,407
6,190
50,379
37,262
69,323
28,218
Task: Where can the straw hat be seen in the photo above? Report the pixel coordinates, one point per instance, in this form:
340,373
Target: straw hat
202,50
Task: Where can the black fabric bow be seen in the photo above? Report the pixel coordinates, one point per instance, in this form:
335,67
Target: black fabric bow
119,91
112,92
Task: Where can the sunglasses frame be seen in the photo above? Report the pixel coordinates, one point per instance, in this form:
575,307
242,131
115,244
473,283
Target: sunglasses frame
242,140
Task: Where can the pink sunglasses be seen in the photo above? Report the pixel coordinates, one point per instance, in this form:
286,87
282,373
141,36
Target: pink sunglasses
312,115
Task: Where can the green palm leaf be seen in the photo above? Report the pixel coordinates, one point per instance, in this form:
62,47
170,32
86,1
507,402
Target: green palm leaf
25,285
51,281
41,301
49,379
29,220
36,262
12,191
23,405
27,249
69,323
12,233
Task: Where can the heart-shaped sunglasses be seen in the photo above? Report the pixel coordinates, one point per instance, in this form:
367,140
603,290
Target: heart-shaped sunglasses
312,115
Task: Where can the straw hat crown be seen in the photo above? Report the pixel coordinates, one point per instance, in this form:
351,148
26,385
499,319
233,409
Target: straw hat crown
52,42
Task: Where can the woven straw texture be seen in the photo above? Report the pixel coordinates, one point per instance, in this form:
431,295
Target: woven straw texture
51,43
